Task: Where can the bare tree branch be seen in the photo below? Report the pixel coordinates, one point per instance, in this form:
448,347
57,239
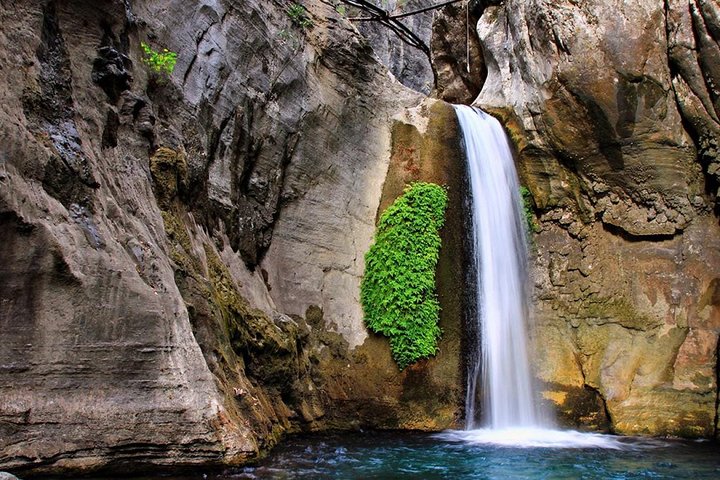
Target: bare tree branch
393,22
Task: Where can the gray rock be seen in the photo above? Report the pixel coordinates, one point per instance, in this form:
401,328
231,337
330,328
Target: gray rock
410,65
590,90
456,56
151,262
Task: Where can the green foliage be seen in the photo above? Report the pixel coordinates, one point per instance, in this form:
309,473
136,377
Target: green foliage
299,16
398,290
162,62
528,214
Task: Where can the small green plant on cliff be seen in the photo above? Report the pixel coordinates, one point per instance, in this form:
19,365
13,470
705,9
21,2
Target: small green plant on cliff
299,16
528,214
398,290
160,62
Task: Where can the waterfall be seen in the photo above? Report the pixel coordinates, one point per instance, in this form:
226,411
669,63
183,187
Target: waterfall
499,370
499,365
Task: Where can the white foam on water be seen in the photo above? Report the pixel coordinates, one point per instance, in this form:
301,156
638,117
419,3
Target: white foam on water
546,438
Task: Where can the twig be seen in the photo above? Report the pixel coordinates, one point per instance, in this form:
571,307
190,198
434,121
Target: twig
393,22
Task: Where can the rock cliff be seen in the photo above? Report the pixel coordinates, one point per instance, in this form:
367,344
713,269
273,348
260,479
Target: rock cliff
182,253
454,70
610,105
410,65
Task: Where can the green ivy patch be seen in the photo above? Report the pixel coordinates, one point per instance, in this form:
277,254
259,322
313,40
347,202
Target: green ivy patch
160,62
398,290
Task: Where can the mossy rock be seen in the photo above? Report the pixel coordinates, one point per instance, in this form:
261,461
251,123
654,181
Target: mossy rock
169,171
268,347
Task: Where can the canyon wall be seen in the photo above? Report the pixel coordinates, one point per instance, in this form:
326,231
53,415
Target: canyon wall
410,65
182,253
612,108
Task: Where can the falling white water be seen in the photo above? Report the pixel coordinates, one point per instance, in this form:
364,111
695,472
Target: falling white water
500,258
500,366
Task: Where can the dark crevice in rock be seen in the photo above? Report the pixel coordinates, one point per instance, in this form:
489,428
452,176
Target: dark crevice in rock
705,143
698,117
479,6
62,183
257,168
139,110
707,148
198,41
453,44
189,69
130,19
577,406
605,133
704,41
68,175
54,101
601,397
111,67
10,218
629,237
109,135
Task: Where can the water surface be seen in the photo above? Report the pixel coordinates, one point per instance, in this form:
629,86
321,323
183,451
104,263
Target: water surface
442,456
460,455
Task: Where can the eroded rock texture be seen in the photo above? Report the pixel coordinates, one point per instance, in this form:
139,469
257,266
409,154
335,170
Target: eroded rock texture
454,70
181,255
410,65
456,55
611,107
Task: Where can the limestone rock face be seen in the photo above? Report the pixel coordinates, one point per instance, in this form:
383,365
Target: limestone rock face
593,96
455,51
181,254
455,71
410,65
610,105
